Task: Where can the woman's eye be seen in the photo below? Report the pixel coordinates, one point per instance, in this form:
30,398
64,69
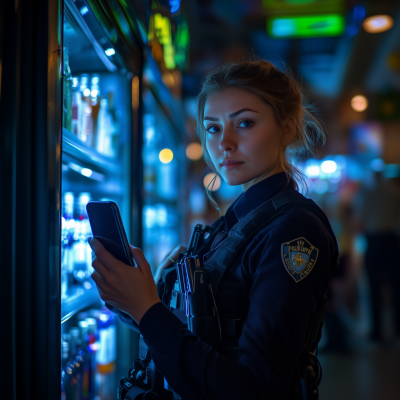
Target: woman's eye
212,129
246,123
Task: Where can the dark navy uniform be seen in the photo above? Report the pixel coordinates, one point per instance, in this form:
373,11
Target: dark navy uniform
287,267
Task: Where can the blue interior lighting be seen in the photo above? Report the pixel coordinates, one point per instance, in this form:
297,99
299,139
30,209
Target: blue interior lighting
352,30
175,5
359,12
84,10
283,27
110,52
377,164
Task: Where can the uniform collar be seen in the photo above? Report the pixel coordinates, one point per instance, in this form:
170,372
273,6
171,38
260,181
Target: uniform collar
255,196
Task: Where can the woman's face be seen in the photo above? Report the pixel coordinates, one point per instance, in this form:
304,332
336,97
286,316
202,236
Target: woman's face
242,136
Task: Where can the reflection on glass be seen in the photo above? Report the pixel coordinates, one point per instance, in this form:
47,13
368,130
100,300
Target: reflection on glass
161,185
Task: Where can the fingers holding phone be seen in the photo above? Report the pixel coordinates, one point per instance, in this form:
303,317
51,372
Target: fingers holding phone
128,289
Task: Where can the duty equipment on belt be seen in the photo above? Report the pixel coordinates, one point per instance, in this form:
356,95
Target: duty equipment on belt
196,293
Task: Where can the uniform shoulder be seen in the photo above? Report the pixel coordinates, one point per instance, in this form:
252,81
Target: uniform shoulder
297,240
298,220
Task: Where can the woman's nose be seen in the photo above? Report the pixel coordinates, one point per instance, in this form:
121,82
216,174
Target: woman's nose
227,142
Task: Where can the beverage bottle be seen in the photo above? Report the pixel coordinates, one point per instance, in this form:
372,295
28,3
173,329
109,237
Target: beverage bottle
92,349
104,131
115,119
82,253
69,379
67,238
106,354
76,119
64,361
86,129
64,261
95,103
85,359
75,363
68,205
67,92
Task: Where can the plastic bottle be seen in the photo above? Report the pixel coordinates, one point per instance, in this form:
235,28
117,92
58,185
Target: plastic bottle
85,132
104,131
95,103
64,375
115,119
106,354
92,349
69,380
67,92
86,360
75,363
81,255
64,259
76,120
68,214
81,251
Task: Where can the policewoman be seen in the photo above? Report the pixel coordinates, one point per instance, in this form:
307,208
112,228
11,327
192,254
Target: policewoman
253,122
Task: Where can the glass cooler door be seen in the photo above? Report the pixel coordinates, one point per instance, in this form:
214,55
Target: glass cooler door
96,165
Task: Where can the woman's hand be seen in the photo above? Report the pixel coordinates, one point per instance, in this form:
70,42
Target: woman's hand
173,256
129,289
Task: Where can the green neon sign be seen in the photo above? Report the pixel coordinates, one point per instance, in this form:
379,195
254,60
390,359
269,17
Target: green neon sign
306,26
161,27
182,42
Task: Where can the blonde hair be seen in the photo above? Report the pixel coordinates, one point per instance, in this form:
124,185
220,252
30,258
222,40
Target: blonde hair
281,91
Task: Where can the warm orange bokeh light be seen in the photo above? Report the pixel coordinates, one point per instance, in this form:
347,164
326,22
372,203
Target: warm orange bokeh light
166,156
194,151
378,23
359,103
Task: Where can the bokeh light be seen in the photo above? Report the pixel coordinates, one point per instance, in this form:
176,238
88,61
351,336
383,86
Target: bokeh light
208,178
377,165
194,151
378,23
359,103
166,156
328,166
312,171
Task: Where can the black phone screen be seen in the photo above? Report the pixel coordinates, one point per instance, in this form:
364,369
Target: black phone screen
105,221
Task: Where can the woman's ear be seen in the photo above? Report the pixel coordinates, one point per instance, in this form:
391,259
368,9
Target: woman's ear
289,131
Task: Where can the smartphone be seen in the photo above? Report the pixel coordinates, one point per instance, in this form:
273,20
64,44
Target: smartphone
106,223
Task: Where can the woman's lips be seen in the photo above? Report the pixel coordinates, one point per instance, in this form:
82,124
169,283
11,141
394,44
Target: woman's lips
231,164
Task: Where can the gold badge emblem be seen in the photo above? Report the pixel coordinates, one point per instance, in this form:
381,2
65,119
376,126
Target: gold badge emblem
299,257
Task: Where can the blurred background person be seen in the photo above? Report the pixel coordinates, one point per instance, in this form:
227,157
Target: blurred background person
380,214
341,294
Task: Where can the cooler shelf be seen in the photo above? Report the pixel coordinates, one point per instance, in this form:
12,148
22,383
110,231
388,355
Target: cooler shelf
78,299
87,155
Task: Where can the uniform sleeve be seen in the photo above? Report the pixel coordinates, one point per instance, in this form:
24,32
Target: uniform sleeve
125,318
273,333
290,279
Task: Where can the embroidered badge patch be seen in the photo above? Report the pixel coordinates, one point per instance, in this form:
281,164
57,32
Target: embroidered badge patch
299,257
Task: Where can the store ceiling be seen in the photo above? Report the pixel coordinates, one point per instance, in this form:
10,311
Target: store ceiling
230,29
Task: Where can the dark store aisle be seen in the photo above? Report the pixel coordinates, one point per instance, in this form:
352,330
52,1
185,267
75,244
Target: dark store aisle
367,374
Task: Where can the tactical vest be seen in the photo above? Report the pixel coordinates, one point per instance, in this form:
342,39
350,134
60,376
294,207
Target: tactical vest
223,329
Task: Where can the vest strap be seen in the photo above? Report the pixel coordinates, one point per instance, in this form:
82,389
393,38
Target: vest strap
241,234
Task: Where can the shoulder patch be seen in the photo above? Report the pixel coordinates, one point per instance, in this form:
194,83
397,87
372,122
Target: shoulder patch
299,257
